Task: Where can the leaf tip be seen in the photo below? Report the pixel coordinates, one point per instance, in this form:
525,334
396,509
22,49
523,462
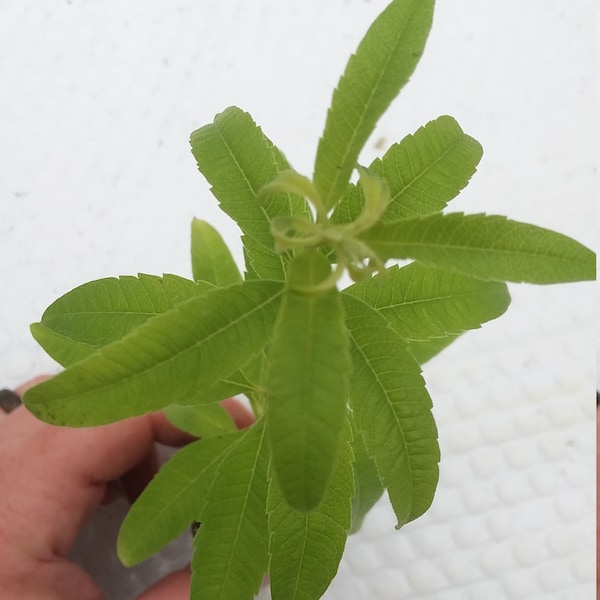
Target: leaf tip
124,554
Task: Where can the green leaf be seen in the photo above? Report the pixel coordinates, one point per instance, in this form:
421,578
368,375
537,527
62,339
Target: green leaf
211,258
423,351
392,410
424,172
260,263
368,487
231,546
100,312
306,548
422,302
383,63
171,501
428,169
64,350
237,159
170,359
491,248
253,373
206,397
200,420
350,206
307,383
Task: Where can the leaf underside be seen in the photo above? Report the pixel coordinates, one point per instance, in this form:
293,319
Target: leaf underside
306,547
423,172
157,364
211,258
171,501
100,312
237,159
200,420
423,351
231,547
422,302
382,64
307,385
488,247
368,486
392,410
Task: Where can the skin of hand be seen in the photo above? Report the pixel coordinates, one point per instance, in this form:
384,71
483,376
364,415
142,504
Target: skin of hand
53,479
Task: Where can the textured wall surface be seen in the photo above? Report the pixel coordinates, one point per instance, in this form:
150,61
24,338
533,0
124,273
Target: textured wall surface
97,100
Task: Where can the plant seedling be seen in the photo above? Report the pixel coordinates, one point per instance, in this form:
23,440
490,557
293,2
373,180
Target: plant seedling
333,375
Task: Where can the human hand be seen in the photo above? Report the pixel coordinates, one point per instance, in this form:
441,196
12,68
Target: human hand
52,480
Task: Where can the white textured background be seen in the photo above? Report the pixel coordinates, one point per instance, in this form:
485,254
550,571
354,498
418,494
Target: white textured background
97,100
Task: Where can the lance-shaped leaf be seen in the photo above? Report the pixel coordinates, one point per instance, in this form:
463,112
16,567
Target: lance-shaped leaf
170,359
307,383
211,258
103,311
367,485
384,60
171,501
488,247
424,172
231,546
392,410
305,548
237,159
422,302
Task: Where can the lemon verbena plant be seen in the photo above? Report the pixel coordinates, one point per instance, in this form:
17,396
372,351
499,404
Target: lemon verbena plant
333,375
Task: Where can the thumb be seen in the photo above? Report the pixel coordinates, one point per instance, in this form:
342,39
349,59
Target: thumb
175,586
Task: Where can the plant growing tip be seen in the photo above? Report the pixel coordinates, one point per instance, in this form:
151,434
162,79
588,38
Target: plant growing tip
333,375
297,233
